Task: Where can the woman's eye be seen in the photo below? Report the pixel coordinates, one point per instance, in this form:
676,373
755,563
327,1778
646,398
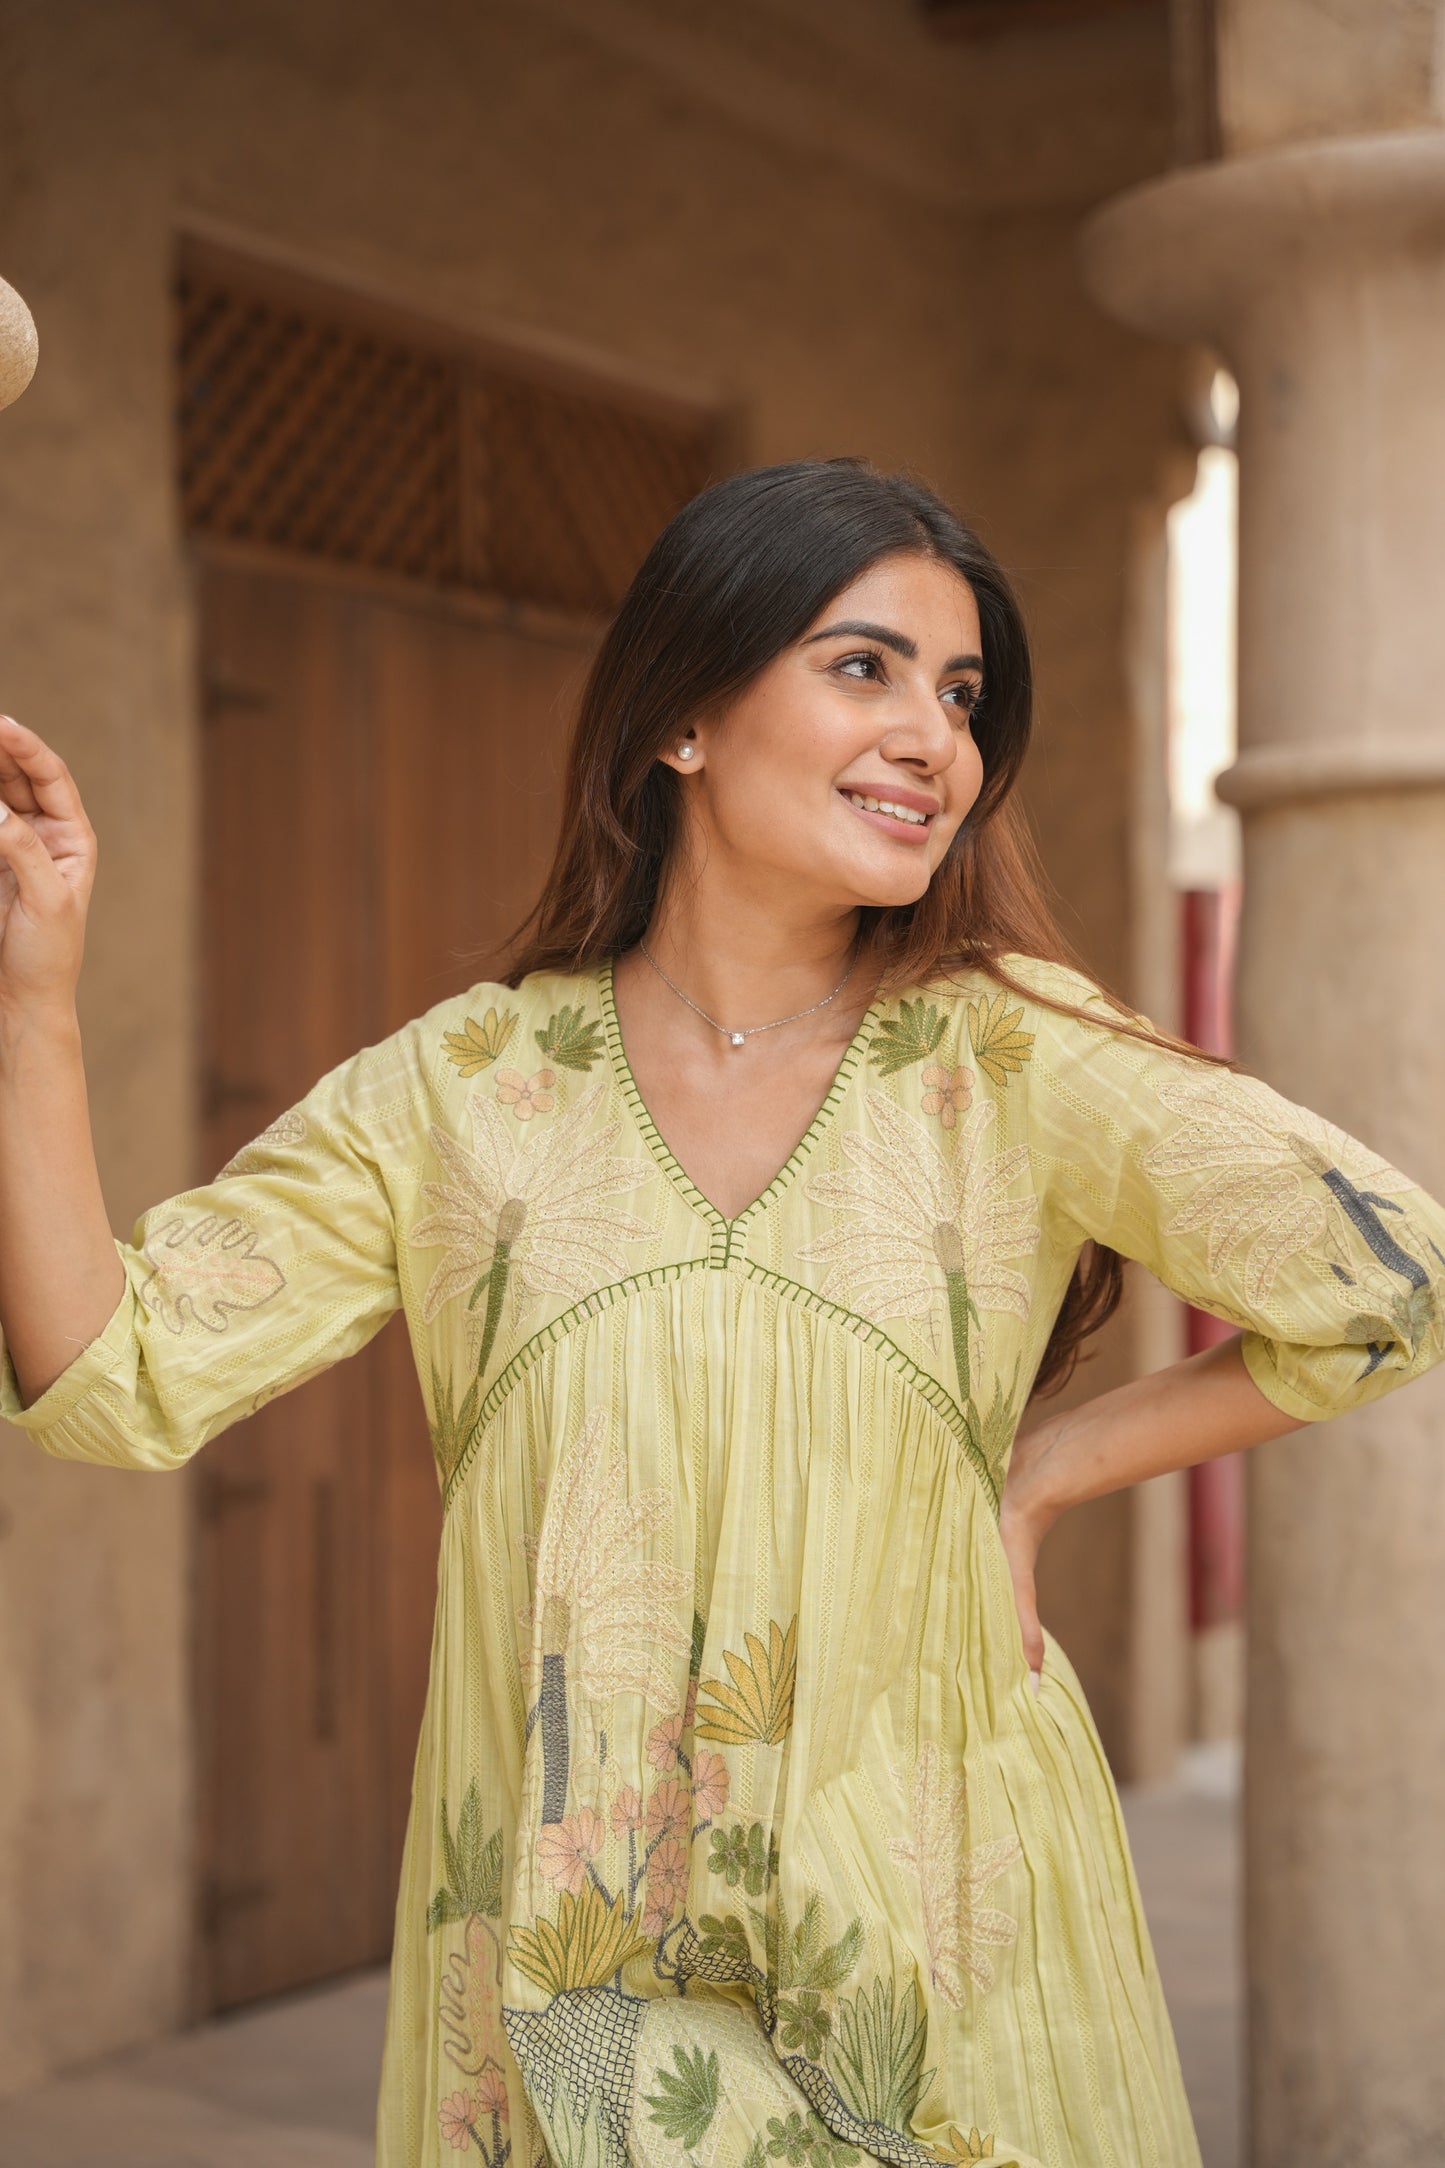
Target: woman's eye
868,659
968,698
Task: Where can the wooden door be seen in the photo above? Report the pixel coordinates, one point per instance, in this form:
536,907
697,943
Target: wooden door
380,784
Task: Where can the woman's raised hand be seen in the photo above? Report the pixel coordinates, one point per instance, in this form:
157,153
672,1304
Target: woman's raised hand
47,868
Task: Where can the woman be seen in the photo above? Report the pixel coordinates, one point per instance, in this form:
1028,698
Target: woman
756,1818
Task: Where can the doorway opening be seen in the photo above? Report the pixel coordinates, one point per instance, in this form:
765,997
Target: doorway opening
405,547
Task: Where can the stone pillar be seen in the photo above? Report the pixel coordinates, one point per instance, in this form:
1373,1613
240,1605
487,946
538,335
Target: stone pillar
1319,272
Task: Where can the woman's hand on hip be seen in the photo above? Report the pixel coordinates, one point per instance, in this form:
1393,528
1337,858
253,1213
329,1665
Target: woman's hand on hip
1024,1520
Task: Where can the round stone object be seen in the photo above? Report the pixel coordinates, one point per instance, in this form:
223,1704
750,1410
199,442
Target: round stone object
19,346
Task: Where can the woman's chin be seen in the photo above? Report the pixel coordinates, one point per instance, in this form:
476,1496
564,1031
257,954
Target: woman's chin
875,890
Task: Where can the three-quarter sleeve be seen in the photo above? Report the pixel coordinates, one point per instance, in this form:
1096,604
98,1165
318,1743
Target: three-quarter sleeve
244,1287
1329,1259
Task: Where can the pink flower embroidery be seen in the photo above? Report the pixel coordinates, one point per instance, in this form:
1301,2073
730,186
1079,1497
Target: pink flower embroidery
492,2095
627,1810
564,1849
947,1096
526,1095
663,1742
669,1811
710,1782
666,1885
456,2117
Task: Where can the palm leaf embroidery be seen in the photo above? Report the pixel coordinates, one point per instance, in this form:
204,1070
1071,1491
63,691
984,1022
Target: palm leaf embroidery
876,2053
686,2101
969,2146
454,1427
999,1047
910,1036
569,1039
995,1434
757,1707
591,1939
474,1868
476,1046
577,2137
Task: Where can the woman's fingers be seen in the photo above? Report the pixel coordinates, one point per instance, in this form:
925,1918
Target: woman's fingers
37,880
33,777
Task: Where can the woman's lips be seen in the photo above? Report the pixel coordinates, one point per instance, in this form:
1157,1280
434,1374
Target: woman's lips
889,823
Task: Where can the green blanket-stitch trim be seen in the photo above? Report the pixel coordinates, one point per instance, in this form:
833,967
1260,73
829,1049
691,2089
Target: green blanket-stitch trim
531,1351
606,1298
938,1396
727,1233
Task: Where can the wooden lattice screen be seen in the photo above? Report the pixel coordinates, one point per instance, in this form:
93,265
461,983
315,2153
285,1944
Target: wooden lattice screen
304,431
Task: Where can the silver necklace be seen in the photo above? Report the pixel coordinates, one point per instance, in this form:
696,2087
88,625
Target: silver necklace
740,1038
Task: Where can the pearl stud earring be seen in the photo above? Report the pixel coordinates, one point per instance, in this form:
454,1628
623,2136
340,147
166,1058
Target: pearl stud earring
685,752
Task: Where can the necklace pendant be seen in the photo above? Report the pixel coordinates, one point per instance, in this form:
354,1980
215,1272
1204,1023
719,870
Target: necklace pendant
737,1037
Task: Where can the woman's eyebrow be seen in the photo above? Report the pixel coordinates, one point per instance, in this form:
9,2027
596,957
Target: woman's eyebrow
898,641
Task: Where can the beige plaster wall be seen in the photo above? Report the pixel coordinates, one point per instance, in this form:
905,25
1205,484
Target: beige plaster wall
1293,70
802,207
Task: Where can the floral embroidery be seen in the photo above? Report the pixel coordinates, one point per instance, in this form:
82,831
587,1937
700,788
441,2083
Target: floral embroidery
947,1094
711,1783
476,1046
535,1216
669,1810
910,1036
958,1931
999,1047
930,1225
571,1039
462,2118
526,1096
805,2138
744,1855
456,2117
664,1742
206,1268
567,1848
804,1968
287,1130
758,1704
666,1885
626,1812
492,2095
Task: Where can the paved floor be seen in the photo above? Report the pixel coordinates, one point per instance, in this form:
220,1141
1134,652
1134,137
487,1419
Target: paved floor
291,2084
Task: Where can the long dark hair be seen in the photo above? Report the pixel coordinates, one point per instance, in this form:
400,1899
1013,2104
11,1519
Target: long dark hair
734,578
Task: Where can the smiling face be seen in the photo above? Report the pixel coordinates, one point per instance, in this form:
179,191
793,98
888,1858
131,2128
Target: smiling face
840,776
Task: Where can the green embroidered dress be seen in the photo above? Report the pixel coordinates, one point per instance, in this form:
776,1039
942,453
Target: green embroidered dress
739,1834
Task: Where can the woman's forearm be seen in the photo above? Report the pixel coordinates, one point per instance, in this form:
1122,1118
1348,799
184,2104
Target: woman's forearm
1194,1410
60,1274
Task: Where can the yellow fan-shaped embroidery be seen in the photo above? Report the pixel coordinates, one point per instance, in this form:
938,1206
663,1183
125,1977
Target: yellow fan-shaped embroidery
757,1707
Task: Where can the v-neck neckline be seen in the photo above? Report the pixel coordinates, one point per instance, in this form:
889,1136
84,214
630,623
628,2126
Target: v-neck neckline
672,1167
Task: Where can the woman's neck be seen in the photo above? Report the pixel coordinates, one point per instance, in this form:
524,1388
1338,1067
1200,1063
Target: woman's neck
744,967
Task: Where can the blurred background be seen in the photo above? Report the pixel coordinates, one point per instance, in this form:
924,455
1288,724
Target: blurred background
377,343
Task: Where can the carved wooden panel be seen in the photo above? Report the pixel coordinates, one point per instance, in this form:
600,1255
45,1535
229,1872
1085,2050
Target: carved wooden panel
324,435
